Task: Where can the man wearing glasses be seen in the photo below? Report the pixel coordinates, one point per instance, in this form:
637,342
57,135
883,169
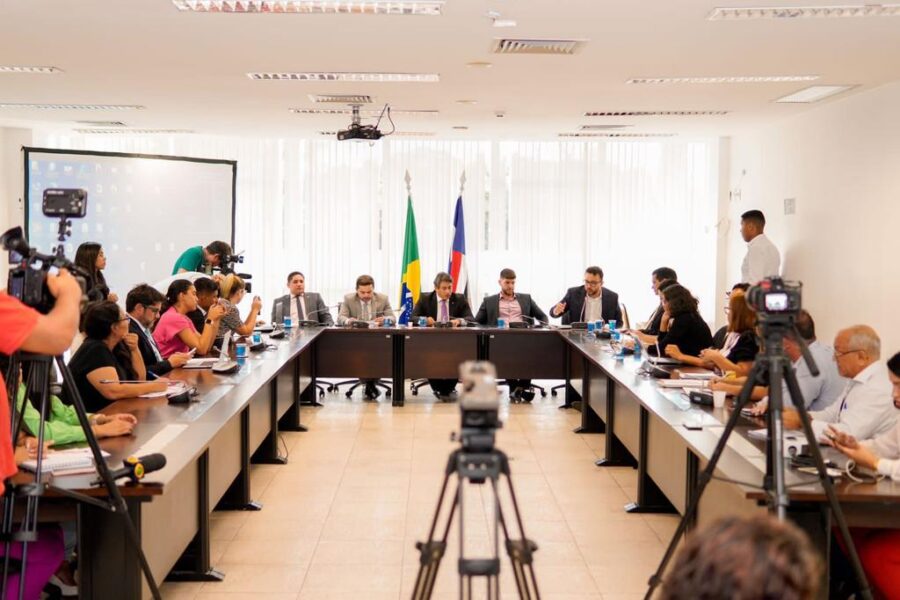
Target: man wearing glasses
865,408
590,302
143,304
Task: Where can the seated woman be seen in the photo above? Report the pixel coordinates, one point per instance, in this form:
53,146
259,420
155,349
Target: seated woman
740,347
91,258
231,291
175,332
879,549
61,425
109,354
681,325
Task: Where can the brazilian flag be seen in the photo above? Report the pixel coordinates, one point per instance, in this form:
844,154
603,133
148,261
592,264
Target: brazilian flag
411,280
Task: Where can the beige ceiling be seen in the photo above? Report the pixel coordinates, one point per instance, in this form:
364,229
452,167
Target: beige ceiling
189,70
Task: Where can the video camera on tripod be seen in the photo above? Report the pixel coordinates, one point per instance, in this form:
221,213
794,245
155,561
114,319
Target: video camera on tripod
775,299
226,267
28,278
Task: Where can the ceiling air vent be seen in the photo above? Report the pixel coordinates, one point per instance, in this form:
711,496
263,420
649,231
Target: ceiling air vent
587,134
515,46
602,127
341,98
102,123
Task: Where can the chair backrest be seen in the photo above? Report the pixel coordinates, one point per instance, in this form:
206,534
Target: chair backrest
625,316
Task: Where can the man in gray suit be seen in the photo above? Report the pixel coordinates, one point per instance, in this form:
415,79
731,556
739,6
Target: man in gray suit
514,308
300,305
365,304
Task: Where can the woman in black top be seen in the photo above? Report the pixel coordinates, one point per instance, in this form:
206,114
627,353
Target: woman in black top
681,324
739,347
109,353
91,258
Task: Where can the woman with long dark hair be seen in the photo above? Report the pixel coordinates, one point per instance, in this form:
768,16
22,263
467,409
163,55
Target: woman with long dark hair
681,324
91,258
108,355
175,332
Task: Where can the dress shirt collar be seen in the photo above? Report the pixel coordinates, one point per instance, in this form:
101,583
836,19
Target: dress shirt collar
508,298
138,323
869,372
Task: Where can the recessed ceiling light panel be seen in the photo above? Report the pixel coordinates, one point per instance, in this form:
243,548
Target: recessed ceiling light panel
340,98
354,77
614,135
364,113
432,8
850,11
813,94
655,113
602,127
25,105
30,70
728,79
95,131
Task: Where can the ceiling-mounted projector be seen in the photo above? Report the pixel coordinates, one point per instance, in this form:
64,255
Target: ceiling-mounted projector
368,133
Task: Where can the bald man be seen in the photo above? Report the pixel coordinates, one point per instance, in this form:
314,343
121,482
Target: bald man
865,408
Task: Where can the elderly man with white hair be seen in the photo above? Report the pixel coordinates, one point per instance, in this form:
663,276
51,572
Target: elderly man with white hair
865,408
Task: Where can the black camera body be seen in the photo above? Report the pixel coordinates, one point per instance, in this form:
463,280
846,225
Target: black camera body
226,267
28,275
773,297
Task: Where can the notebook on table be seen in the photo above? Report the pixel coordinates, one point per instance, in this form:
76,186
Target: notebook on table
63,460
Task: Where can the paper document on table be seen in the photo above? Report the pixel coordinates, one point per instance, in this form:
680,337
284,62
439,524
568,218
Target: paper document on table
680,383
699,376
159,441
64,460
173,387
200,363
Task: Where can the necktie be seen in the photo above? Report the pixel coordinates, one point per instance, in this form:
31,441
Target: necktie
444,316
300,311
365,311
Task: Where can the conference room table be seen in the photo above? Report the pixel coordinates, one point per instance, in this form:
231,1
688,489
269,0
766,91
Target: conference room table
210,443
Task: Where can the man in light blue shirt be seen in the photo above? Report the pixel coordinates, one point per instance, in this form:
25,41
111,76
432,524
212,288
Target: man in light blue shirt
821,391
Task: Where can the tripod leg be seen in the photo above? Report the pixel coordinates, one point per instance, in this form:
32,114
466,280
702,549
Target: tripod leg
432,551
794,389
521,552
115,498
705,477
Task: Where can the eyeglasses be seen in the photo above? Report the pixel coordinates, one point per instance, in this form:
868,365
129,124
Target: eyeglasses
153,309
838,355
598,282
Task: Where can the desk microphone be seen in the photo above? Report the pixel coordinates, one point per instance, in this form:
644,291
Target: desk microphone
315,323
539,323
136,467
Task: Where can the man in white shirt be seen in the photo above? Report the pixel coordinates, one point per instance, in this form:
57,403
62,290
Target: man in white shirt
762,259
821,391
865,408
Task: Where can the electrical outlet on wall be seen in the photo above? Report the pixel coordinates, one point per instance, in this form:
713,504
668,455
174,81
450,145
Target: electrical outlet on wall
790,206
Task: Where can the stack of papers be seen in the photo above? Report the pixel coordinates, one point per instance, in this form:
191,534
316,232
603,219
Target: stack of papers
64,460
200,363
681,383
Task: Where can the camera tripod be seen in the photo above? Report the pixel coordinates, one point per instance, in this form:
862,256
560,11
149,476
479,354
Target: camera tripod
772,368
37,370
476,467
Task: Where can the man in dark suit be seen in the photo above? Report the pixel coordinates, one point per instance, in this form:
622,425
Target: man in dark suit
514,308
143,304
589,302
443,306
300,305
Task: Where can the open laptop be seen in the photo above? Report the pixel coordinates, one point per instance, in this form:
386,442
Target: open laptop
662,360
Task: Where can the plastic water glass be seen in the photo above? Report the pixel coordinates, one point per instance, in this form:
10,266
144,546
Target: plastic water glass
598,325
612,325
288,323
240,350
257,338
501,323
590,327
388,322
719,398
423,322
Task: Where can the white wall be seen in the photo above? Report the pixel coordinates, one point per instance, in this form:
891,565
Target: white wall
11,181
841,162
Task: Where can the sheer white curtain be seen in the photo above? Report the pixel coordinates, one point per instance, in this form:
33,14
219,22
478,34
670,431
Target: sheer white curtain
546,209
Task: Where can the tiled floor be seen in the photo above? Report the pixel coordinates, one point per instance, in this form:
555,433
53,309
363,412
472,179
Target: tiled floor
341,519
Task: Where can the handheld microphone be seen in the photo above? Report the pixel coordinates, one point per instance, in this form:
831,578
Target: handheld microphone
136,467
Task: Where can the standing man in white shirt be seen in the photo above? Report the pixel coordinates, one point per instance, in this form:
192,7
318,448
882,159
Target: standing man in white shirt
762,259
865,409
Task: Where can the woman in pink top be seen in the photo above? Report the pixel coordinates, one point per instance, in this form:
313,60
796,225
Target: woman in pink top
175,332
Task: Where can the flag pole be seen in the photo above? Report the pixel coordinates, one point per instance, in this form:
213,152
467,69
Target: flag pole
462,182
408,180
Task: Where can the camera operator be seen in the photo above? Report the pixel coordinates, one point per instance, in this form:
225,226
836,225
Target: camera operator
23,328
200,259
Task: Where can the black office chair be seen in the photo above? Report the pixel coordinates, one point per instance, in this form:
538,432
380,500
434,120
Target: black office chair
355,383
533,387
415,384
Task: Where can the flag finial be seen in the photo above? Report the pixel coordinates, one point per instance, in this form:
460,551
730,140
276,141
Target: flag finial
462,182
408,180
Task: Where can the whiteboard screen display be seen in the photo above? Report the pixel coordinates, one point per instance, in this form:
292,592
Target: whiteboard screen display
144,210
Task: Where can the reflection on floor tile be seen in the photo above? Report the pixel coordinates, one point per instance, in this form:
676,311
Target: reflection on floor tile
341,519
